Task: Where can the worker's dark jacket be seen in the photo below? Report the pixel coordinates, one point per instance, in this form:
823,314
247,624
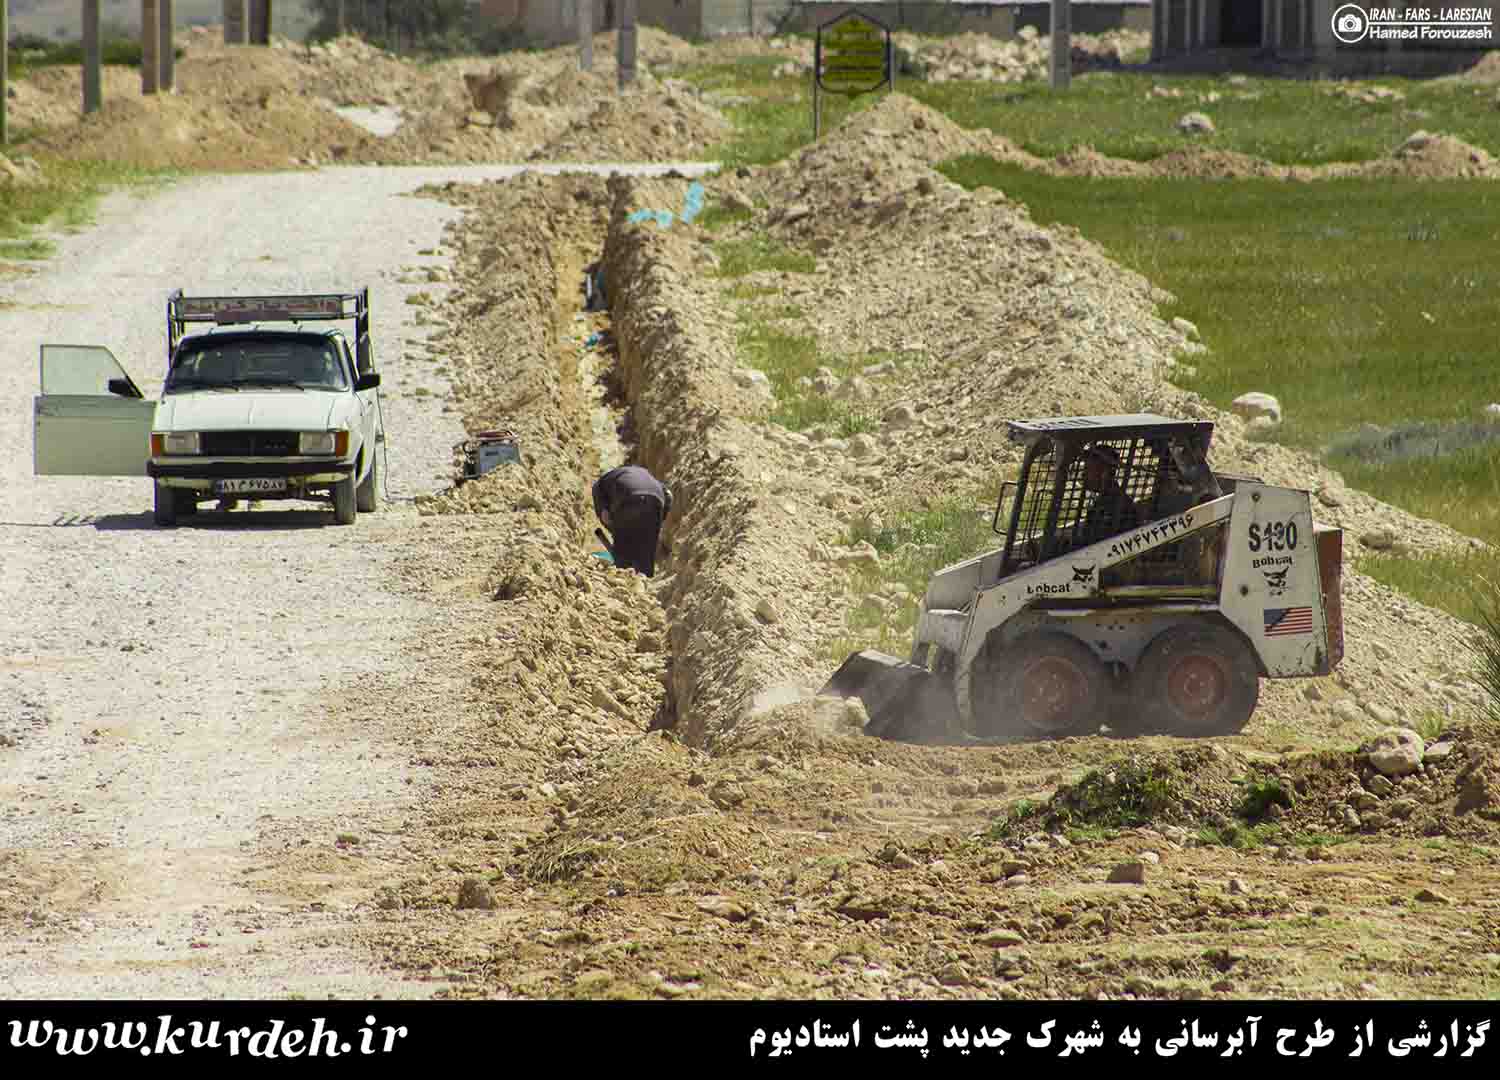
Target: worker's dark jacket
636,502
1111,513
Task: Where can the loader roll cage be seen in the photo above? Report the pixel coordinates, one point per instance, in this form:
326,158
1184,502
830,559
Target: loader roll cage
292,307
1154,467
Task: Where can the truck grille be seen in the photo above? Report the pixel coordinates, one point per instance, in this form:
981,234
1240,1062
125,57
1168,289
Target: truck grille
248,443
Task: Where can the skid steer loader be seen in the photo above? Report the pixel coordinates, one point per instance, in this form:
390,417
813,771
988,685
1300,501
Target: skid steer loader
1135,588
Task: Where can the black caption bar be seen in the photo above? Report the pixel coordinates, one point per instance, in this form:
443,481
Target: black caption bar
775,1035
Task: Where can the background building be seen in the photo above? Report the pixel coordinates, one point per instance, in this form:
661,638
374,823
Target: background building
553,22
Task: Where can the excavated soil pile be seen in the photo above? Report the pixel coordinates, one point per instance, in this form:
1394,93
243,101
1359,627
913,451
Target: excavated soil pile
273,131
52,97
502,111
350,71
1425,156
234,108
649,124
1203,163
980,56
242,108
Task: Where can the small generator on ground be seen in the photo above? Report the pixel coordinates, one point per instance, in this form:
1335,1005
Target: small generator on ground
487,449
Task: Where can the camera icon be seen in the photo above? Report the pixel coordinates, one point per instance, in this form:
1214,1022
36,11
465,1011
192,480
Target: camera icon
1350,24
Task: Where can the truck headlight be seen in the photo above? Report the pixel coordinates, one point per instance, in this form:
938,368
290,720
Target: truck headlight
168,443
323,442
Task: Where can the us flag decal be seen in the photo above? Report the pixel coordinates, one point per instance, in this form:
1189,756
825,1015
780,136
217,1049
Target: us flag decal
1290,620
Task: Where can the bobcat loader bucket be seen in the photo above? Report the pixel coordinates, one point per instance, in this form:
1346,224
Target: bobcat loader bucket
906,703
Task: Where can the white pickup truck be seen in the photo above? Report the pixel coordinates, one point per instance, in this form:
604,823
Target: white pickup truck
247,411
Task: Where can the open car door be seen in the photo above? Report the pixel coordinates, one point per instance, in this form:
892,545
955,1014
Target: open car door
90,419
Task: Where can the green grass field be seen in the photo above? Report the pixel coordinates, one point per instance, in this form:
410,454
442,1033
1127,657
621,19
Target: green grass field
1285,121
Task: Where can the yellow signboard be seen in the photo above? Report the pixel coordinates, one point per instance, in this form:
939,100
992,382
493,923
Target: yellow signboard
854,55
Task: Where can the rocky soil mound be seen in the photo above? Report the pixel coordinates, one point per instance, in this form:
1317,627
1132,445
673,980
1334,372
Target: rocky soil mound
290,104
652,124
1397,785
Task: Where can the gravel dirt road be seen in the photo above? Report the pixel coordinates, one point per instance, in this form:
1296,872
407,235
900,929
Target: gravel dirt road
177,703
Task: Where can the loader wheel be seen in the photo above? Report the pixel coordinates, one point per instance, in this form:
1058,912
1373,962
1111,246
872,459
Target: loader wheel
1195,680
1045,685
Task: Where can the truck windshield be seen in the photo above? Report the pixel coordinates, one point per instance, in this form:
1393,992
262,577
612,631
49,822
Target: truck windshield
305,365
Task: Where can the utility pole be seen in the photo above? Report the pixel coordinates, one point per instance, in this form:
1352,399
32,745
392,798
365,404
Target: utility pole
92,73
166,44
4,71
236,22
1062,44
627,43
260,22
150,46
585,34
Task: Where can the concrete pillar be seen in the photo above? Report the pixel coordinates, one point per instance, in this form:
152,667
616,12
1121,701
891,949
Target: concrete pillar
585,34
1322,27
627,42
150,46
260,22
5,73
92,72
1062,44
236,22
168,45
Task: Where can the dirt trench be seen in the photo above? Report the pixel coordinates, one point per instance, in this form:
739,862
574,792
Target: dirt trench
619,800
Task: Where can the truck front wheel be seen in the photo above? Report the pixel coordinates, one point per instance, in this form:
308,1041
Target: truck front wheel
344,509
165,510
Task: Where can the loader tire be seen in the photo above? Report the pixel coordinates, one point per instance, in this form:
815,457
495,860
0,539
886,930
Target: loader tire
1044,685
1195,680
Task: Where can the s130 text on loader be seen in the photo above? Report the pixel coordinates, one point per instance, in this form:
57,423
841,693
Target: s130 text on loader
1135,588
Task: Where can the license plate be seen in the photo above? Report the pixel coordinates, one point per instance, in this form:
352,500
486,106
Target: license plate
250,486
